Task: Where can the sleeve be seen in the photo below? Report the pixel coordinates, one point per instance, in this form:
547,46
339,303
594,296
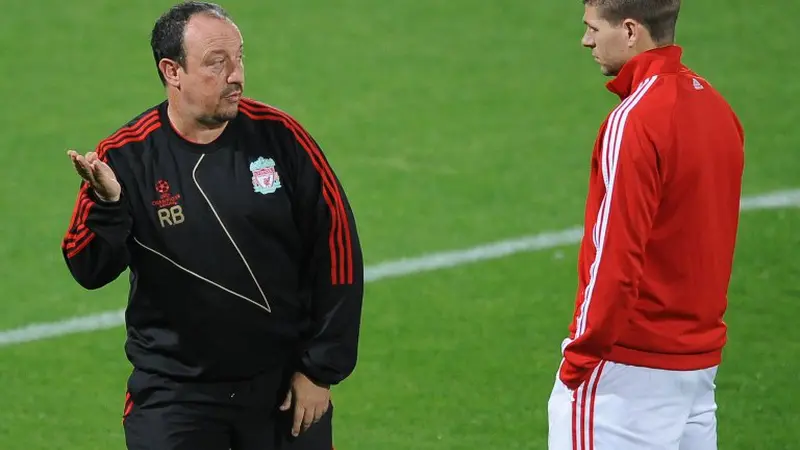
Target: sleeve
633,189
95,245
335,268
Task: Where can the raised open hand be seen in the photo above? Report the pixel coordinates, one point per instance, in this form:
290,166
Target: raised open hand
98,174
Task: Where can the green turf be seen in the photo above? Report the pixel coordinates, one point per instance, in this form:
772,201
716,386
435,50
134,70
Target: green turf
451,124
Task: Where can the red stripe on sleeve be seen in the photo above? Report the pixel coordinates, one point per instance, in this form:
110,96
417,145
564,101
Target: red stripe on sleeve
345,270
81,230
132,133
326,173
78,235
339,240
78,217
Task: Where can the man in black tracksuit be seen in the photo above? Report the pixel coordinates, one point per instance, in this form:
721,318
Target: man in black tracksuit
246,273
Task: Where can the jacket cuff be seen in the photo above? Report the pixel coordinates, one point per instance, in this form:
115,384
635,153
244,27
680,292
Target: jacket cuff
314,376
321,376
573,376
95,198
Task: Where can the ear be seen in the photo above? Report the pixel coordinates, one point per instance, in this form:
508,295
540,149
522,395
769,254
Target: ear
170,69
633,31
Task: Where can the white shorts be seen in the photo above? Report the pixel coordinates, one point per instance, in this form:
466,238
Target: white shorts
624,407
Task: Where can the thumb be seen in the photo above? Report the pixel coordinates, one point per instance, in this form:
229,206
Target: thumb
102,172
288,402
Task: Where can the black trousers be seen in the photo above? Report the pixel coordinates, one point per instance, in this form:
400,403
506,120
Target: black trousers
164,414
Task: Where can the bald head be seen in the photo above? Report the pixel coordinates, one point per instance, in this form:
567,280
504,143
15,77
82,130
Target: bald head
199,54
167,38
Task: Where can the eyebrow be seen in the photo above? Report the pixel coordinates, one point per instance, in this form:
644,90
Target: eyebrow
220,51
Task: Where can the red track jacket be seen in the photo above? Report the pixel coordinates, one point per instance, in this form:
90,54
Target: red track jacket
660,226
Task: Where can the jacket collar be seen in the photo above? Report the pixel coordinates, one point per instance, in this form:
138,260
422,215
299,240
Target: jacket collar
659,60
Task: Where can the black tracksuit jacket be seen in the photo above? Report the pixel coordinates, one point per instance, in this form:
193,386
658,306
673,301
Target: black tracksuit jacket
243,253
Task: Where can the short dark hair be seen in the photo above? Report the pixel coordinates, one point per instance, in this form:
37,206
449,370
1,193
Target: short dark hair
167,37
658,16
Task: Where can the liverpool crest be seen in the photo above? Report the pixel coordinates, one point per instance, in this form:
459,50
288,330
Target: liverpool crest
265,178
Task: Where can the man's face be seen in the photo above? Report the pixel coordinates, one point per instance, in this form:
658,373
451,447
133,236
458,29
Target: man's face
609,43
212,82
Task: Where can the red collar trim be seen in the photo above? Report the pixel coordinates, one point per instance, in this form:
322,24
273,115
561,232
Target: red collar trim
659,60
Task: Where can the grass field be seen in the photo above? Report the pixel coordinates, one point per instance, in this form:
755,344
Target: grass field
451,124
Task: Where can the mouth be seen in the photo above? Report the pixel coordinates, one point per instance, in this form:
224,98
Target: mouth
234,97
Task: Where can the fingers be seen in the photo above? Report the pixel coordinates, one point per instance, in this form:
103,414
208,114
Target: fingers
82,166
320,412
299,419
306,415
100,170
287,403
75,157
97,174
94,164
311,402
103,173
309,418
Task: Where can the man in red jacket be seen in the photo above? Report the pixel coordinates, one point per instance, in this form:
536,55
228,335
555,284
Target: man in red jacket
661,219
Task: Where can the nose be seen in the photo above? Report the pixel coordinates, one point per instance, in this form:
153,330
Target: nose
237,74
587,40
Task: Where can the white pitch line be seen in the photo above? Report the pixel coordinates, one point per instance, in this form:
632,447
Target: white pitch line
391,269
